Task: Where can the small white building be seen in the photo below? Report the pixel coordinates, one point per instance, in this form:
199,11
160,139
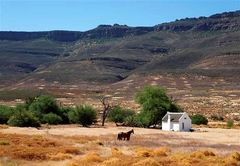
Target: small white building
176,121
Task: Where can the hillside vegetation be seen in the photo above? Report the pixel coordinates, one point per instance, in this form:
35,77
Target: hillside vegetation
189,57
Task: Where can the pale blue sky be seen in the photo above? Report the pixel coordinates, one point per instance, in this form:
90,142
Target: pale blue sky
82,15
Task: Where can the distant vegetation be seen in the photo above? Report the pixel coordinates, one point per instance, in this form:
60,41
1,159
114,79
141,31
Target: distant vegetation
119,115
154,101
84,115
44,109
199,119
23,118
5,113
215,117
230,123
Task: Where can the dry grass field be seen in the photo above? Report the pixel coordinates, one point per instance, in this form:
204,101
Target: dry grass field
72,145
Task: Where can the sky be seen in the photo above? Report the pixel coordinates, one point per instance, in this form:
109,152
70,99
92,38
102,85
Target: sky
82,15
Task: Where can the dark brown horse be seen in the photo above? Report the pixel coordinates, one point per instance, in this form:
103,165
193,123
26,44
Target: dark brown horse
125,135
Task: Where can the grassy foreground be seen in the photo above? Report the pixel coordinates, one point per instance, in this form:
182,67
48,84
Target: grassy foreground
85,150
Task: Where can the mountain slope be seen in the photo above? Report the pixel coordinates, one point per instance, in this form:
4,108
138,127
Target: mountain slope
108,54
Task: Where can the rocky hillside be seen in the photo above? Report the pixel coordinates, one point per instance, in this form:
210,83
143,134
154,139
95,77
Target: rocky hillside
194,47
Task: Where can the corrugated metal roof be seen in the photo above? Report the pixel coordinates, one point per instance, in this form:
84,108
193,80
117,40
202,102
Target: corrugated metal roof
174,117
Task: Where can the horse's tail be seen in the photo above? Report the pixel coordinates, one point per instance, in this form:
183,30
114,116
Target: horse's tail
118,138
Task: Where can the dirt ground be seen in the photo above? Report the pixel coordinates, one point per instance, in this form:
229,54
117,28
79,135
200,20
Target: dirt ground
208,136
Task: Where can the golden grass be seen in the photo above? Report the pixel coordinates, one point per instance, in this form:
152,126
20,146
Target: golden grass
111,161
3,142
147,162
3,126
56,148
99,143
91,158
116,152
81,141
144,153
162,151
58,156
235,156
33,147
221,126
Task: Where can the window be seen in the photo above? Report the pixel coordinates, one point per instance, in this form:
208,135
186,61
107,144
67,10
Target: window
182,125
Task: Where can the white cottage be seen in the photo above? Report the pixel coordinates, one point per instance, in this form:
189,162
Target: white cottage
176,121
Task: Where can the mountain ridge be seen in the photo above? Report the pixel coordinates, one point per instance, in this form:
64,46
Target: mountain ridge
115,31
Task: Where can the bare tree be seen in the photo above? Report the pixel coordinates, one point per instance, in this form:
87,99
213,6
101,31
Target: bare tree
107,107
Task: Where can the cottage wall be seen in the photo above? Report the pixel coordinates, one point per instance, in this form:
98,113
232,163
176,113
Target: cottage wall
187,123
175,126
165,126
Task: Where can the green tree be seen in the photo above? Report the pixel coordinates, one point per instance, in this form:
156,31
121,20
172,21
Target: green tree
155,104
5,113
199,119
84,115
119,115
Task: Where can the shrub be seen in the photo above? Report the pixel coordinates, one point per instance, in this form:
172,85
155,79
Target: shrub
64,114
144,119
29,101
220,118
236,119
4,142
118,115
23,118
230,123
51,118
44,105
5,113
84,115
213,117
131,121
199,119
